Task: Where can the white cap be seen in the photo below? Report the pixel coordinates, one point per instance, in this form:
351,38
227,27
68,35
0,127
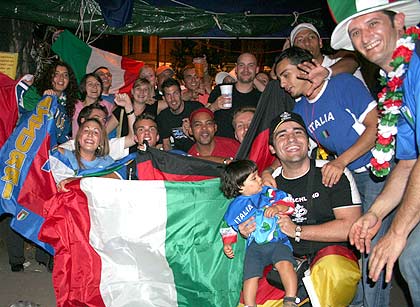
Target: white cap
221,76
300,27
349,10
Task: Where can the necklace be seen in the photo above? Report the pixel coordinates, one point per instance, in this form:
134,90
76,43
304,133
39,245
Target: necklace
390,101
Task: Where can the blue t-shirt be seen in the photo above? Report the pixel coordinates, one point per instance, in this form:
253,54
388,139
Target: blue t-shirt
335,117
244,207
408,136
99,162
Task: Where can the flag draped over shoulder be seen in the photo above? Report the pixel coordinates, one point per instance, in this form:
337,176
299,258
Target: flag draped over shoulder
85,59
141,243
273,101
26,182
10,93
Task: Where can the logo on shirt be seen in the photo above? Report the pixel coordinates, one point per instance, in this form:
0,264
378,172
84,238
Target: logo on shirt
243,214
322,120
178,133
299,215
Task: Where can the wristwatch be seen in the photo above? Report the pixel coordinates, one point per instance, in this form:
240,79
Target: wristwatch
298,230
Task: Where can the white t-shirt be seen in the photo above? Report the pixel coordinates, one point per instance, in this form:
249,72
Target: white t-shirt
328,62
116,147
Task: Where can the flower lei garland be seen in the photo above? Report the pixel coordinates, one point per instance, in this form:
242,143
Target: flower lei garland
390,101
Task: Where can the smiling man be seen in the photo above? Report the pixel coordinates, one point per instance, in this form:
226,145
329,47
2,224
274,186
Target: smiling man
194,87
106,76
145,129
341,116
173,121
377,30
322,218
243,95
203,129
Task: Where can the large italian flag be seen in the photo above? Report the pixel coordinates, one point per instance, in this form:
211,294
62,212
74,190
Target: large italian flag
85,59
141,243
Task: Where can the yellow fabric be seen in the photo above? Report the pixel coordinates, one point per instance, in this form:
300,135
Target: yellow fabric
335,280
273,303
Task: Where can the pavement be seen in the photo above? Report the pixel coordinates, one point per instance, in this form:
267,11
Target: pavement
34,284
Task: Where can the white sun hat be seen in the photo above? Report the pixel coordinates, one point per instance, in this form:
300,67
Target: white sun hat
344,11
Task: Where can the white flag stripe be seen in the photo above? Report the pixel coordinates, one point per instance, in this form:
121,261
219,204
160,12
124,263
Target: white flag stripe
128,230
100,58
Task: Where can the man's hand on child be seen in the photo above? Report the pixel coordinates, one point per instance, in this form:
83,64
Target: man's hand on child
228,250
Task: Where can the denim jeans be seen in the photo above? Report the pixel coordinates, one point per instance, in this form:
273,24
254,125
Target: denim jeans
409,262
370,294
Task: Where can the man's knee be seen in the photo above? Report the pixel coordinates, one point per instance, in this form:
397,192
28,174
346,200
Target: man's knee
335,278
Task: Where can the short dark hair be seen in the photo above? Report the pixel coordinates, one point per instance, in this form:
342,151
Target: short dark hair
144,116
86,111
391,15
170,82
234,176
295,55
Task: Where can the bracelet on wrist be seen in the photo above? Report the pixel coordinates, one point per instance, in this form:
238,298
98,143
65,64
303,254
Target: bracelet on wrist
131,112
298,231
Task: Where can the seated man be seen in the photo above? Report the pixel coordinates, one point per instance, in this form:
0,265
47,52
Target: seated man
322,218
208,146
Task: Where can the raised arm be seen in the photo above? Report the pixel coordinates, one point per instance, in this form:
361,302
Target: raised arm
314,72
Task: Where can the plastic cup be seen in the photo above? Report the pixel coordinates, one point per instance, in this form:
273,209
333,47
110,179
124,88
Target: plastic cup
199,66
226,90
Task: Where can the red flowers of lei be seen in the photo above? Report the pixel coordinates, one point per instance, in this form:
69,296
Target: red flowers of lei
390,101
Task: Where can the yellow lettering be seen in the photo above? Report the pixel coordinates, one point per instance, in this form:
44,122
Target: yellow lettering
16,158
44,104
7,191
23,144
33,123
11,177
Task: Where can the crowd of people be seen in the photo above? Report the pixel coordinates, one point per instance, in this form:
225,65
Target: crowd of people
339,206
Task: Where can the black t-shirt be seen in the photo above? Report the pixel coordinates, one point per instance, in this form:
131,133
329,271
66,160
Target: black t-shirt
224,118
150,109
170,125
320,210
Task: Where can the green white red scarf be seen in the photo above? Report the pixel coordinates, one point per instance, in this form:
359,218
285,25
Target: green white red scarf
390,101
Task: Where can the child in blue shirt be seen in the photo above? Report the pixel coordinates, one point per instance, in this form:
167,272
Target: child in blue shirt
267,244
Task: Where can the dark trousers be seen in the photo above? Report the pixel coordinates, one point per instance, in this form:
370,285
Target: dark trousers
15,245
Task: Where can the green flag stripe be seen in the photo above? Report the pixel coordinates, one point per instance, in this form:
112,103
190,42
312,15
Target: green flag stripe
74,52
203,275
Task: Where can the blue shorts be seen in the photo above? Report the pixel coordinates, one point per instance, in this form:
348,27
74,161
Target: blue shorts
257,257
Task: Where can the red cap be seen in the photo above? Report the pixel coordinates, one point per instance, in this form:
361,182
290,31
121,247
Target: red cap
201,110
